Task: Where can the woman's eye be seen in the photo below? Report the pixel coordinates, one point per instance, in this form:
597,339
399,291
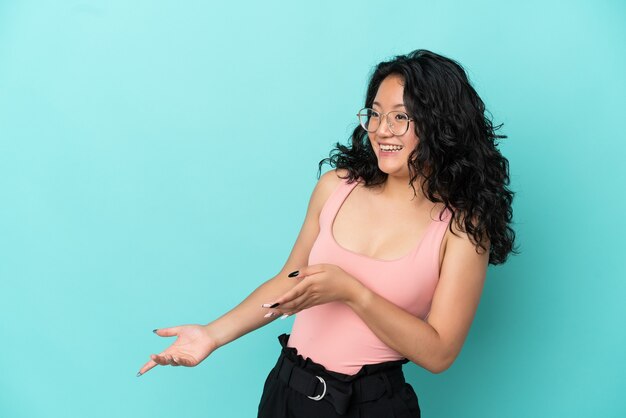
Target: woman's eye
402,116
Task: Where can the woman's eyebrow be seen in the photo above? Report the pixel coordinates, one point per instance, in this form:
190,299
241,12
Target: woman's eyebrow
394,106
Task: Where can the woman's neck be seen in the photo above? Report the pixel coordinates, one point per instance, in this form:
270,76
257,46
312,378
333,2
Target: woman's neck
399,189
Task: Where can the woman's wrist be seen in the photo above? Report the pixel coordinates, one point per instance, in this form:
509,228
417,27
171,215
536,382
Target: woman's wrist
213,335
358,296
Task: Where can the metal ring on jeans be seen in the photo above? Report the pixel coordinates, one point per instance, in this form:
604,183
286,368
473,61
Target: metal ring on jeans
319,397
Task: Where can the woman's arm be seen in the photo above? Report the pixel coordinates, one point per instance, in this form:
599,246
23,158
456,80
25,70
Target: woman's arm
434,343
247,316
195,343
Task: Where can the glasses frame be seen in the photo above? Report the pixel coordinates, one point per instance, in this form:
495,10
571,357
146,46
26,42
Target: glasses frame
385,115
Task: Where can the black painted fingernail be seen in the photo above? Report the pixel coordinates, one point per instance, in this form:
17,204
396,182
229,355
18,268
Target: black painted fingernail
275,305
138,374
294,273
155,330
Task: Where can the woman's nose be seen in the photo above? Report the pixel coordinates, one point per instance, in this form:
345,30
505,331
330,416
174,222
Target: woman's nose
383,128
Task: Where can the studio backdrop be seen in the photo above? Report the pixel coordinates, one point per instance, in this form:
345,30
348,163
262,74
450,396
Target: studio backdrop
156,161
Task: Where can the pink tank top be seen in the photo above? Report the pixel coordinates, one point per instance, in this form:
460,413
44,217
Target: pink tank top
332,334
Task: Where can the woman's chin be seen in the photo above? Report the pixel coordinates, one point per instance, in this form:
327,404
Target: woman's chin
393,169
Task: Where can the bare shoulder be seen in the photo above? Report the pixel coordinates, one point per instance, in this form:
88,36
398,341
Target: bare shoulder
462,238
332,178
310,228
327,183
458,248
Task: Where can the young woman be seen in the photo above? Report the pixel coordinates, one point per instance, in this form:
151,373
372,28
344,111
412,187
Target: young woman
390,263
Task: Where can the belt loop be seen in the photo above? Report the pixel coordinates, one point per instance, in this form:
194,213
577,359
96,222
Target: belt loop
280,365
357,386
388,387
285,370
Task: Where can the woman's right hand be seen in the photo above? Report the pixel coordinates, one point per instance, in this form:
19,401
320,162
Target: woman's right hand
193,344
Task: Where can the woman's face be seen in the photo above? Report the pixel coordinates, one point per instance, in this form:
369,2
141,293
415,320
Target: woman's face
389,97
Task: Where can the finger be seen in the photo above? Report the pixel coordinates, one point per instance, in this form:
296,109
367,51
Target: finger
306,271
167,332
299,303
301,273
149,365
298,290
272,314
297,298
160,359
175,361
169,359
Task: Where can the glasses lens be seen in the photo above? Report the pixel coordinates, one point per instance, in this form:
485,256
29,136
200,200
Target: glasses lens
398,122
369,119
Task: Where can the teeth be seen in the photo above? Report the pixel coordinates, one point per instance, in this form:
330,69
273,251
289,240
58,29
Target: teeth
390,147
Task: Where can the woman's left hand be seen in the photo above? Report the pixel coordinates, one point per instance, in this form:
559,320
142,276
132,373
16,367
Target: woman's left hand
319,284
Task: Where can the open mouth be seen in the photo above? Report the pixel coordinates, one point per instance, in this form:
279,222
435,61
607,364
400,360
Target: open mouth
390,148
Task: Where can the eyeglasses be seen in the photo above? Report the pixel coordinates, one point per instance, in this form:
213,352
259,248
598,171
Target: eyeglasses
397,121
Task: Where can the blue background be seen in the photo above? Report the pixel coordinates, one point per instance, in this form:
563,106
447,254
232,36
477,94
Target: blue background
156,160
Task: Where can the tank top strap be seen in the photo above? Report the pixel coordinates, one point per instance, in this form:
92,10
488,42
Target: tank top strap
334,201
433,239
441,224
444,216
432,235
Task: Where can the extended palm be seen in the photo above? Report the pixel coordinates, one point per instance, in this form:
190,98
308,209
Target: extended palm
193,345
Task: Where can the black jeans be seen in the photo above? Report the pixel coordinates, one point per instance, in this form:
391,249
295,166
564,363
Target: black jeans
376,391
